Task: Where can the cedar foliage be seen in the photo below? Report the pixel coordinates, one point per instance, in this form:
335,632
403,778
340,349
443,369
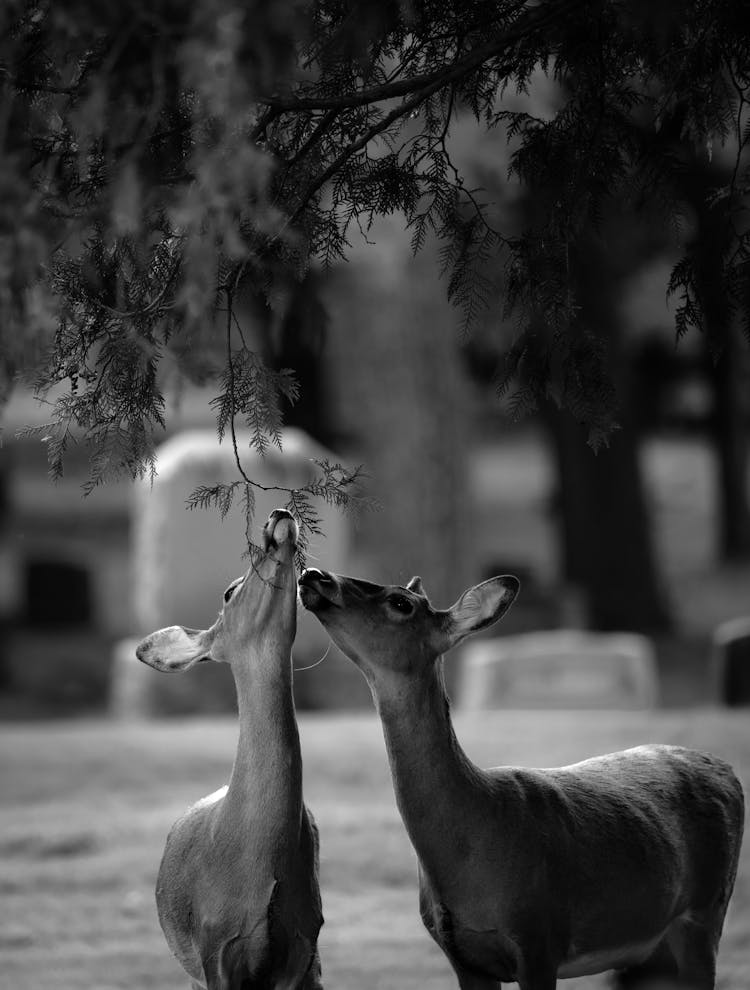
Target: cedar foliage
161,158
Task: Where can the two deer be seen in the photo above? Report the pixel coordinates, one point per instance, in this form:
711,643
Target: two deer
625,861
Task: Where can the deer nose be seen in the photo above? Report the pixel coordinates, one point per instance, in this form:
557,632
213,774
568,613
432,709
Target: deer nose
277,514
318,588
321,577
280,526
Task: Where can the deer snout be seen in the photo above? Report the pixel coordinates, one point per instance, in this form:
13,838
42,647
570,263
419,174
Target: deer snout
319,588
280,527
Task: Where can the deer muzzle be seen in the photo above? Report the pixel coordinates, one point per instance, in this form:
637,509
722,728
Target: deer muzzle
319,590
281,527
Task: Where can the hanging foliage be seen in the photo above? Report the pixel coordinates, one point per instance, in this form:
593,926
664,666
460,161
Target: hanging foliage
161,158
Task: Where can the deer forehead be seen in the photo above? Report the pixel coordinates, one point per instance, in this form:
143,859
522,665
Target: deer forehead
404,591
381,596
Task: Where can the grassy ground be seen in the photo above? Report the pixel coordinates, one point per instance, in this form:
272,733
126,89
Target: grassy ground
85,808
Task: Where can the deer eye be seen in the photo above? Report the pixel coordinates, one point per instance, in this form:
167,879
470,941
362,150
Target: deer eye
401,604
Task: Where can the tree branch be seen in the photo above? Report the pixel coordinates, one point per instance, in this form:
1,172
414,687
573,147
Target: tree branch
400,111
321,127
429,82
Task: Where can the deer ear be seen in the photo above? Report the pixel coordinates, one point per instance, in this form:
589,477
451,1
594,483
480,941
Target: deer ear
415,585
176,648
481,606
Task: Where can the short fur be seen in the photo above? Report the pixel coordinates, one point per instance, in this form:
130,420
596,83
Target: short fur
237,892
625,861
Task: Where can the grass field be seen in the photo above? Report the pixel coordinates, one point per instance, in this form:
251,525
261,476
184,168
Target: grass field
86,807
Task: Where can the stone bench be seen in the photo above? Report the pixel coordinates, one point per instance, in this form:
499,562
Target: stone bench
561,668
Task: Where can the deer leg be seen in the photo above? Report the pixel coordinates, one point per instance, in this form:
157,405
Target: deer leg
538,981
694,944
467,980
541,981
658,972
537,965
684,960
313,979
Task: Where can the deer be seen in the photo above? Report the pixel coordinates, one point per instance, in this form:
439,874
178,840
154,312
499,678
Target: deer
237,892
621,862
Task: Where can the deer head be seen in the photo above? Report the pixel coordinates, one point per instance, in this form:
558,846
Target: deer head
390,628
258,612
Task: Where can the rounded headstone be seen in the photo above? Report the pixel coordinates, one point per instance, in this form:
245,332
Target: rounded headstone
184,559
560,668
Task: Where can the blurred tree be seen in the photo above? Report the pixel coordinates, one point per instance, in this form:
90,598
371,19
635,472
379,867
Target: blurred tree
604,528
7,595
297,340
161,159
606,554
726,359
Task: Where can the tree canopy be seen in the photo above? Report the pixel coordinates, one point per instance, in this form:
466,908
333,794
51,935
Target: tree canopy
163,160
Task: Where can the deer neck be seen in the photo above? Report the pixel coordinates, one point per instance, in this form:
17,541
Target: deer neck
266,780
432,776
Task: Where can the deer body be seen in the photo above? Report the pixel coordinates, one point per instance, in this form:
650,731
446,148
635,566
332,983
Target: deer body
624,861
237,891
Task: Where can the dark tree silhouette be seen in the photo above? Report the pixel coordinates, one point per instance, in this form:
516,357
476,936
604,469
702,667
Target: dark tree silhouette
161,158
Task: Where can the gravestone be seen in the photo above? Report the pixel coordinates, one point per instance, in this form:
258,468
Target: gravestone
183,560
730,661
560,668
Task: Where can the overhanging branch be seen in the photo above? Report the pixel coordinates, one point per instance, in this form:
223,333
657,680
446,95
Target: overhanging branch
429,82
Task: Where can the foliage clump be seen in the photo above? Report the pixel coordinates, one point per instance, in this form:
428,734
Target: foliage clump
163,160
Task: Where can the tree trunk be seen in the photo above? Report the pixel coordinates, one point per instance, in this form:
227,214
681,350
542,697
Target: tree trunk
606,549
729,430
699,178
398,388
8,593
606,545
725,371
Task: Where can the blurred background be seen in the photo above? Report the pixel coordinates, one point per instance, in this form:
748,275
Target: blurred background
634,558
649,535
